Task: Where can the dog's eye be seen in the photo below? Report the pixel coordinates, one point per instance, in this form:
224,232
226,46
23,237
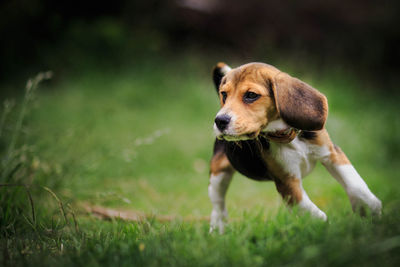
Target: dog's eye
224,96
250,97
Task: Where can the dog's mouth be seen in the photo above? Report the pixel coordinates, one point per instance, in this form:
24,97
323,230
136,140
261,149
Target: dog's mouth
242,137
279,136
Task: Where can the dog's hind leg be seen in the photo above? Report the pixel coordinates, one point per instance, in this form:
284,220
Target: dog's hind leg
220,178
343,171
293,193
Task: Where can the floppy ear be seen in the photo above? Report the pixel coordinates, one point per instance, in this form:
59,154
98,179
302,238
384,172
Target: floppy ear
219,72
298,104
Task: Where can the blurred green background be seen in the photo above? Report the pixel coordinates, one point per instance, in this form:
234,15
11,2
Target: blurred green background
126,123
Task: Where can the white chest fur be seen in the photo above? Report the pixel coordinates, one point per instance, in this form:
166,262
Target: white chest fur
298,157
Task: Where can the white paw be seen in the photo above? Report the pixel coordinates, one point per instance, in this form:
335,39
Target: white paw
320,215
218,221
306,206
361,201
316,213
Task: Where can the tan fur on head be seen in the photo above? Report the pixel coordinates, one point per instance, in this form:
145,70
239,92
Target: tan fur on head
279,96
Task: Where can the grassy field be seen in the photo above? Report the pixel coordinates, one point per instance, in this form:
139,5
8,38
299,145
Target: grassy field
139,138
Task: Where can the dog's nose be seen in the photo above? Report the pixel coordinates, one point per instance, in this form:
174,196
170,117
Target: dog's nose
222,122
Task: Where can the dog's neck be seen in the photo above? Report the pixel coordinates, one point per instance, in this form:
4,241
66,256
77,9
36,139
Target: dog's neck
278,131
282,136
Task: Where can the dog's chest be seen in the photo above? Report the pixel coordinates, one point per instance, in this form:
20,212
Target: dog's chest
264,160
247,158
296,158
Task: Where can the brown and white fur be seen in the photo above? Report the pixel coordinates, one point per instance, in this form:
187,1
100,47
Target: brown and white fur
271,127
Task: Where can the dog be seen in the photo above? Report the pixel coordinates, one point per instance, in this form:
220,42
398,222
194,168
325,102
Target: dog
271,128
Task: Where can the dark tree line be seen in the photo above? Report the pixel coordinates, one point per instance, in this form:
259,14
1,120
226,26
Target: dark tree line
365,32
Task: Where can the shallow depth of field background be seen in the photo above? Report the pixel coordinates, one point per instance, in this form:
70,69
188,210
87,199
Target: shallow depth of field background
125,123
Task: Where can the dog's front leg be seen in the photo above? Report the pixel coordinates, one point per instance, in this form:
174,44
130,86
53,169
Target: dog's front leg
221,176
343,171
216,190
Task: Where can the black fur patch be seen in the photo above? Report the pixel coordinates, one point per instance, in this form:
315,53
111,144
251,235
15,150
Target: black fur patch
217,77
246,158
309,135
219,146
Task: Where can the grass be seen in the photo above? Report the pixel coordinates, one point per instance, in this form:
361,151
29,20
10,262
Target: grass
140,138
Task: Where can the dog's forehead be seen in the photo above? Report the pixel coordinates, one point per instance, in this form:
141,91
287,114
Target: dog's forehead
252,72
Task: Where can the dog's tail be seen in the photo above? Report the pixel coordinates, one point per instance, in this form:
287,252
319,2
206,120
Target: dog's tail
219,71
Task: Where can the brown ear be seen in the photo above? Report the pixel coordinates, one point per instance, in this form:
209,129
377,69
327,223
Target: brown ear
298,104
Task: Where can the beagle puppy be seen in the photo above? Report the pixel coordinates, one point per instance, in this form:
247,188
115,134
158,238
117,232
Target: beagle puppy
271,128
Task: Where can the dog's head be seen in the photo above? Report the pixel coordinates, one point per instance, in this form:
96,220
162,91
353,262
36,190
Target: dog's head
257,98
